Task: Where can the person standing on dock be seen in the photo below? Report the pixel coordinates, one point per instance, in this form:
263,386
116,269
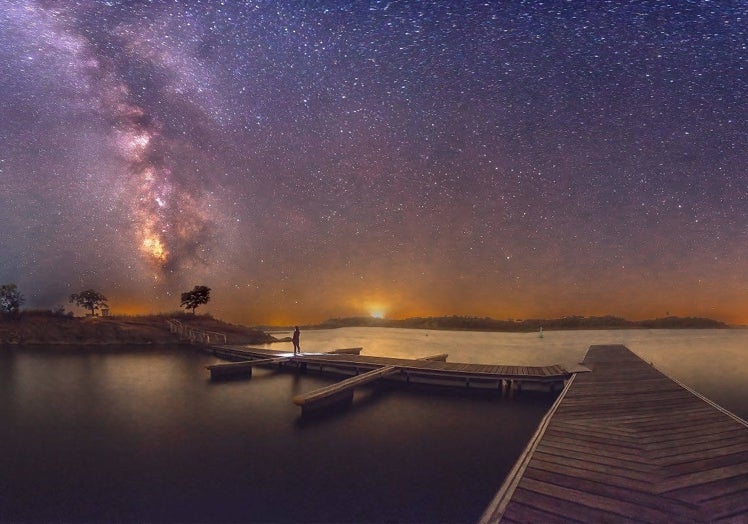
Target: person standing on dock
295,339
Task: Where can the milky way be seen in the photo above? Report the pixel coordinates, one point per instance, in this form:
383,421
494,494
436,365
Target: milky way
310,160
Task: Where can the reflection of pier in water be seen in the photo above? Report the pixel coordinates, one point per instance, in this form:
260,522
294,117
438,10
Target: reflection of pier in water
360,369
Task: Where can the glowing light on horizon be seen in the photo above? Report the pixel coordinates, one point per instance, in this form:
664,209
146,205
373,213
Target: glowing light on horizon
376,309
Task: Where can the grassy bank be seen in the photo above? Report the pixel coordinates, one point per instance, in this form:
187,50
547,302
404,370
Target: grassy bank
47,328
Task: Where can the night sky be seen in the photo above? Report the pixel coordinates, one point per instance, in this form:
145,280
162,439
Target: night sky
309,160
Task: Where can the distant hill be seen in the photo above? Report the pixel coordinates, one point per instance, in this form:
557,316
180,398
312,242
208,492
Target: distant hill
46,327
489,324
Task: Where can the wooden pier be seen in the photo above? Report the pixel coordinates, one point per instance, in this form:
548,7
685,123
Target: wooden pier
433,370
342,392
626,443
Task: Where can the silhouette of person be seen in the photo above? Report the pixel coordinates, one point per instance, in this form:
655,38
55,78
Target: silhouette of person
295,339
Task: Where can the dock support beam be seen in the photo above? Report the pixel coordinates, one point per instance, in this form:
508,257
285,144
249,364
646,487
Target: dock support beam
241,369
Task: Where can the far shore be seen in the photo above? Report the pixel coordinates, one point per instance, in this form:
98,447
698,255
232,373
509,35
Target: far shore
464,323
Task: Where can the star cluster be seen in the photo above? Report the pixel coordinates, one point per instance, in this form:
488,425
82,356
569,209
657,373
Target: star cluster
316,159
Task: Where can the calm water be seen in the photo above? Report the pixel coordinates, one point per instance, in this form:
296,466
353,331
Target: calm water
124,435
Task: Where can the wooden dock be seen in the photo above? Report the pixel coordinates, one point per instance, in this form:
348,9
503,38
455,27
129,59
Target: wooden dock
342,392
626,443
432,370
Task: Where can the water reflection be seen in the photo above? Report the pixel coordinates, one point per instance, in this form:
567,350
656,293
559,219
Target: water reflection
144,435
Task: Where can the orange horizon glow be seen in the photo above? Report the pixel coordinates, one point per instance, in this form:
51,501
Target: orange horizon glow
238,313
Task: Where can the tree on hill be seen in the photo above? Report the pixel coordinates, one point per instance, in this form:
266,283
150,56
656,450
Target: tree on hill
89,299
10,299
191,299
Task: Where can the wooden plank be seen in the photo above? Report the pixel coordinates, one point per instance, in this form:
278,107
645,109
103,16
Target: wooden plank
605,500
581,454
702,440
644,422
710,462
714,451
523,513
592,440
544,461
611,451
703,493
694,417
608,475
644,499
339,387
703,477
590,427
679,430
692,450
565,507
728,505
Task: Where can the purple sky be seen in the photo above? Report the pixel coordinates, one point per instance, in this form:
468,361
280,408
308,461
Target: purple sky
309,160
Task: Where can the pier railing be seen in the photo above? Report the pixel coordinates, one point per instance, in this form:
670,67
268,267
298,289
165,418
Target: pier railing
195,335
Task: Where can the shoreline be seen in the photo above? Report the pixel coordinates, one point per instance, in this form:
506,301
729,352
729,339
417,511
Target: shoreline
486,324
49,329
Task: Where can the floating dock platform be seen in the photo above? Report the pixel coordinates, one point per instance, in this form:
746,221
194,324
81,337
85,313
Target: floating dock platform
433,370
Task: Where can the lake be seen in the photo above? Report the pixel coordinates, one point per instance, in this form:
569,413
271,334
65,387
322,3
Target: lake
124,434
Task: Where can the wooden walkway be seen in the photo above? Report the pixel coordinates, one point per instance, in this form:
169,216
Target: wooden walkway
433,370
342,392
428,371
625,443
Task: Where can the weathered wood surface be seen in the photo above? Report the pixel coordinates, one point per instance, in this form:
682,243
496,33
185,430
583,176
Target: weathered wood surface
438,365
342,386
319,395
424,366
625,443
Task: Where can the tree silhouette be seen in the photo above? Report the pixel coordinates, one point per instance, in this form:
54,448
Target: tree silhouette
192,299
89,299
10,299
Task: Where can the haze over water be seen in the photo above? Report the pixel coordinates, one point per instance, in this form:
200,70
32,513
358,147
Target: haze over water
143,434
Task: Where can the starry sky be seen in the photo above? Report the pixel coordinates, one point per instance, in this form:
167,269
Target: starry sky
309,160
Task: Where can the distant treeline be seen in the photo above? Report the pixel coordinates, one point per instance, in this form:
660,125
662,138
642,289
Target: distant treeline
534,324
